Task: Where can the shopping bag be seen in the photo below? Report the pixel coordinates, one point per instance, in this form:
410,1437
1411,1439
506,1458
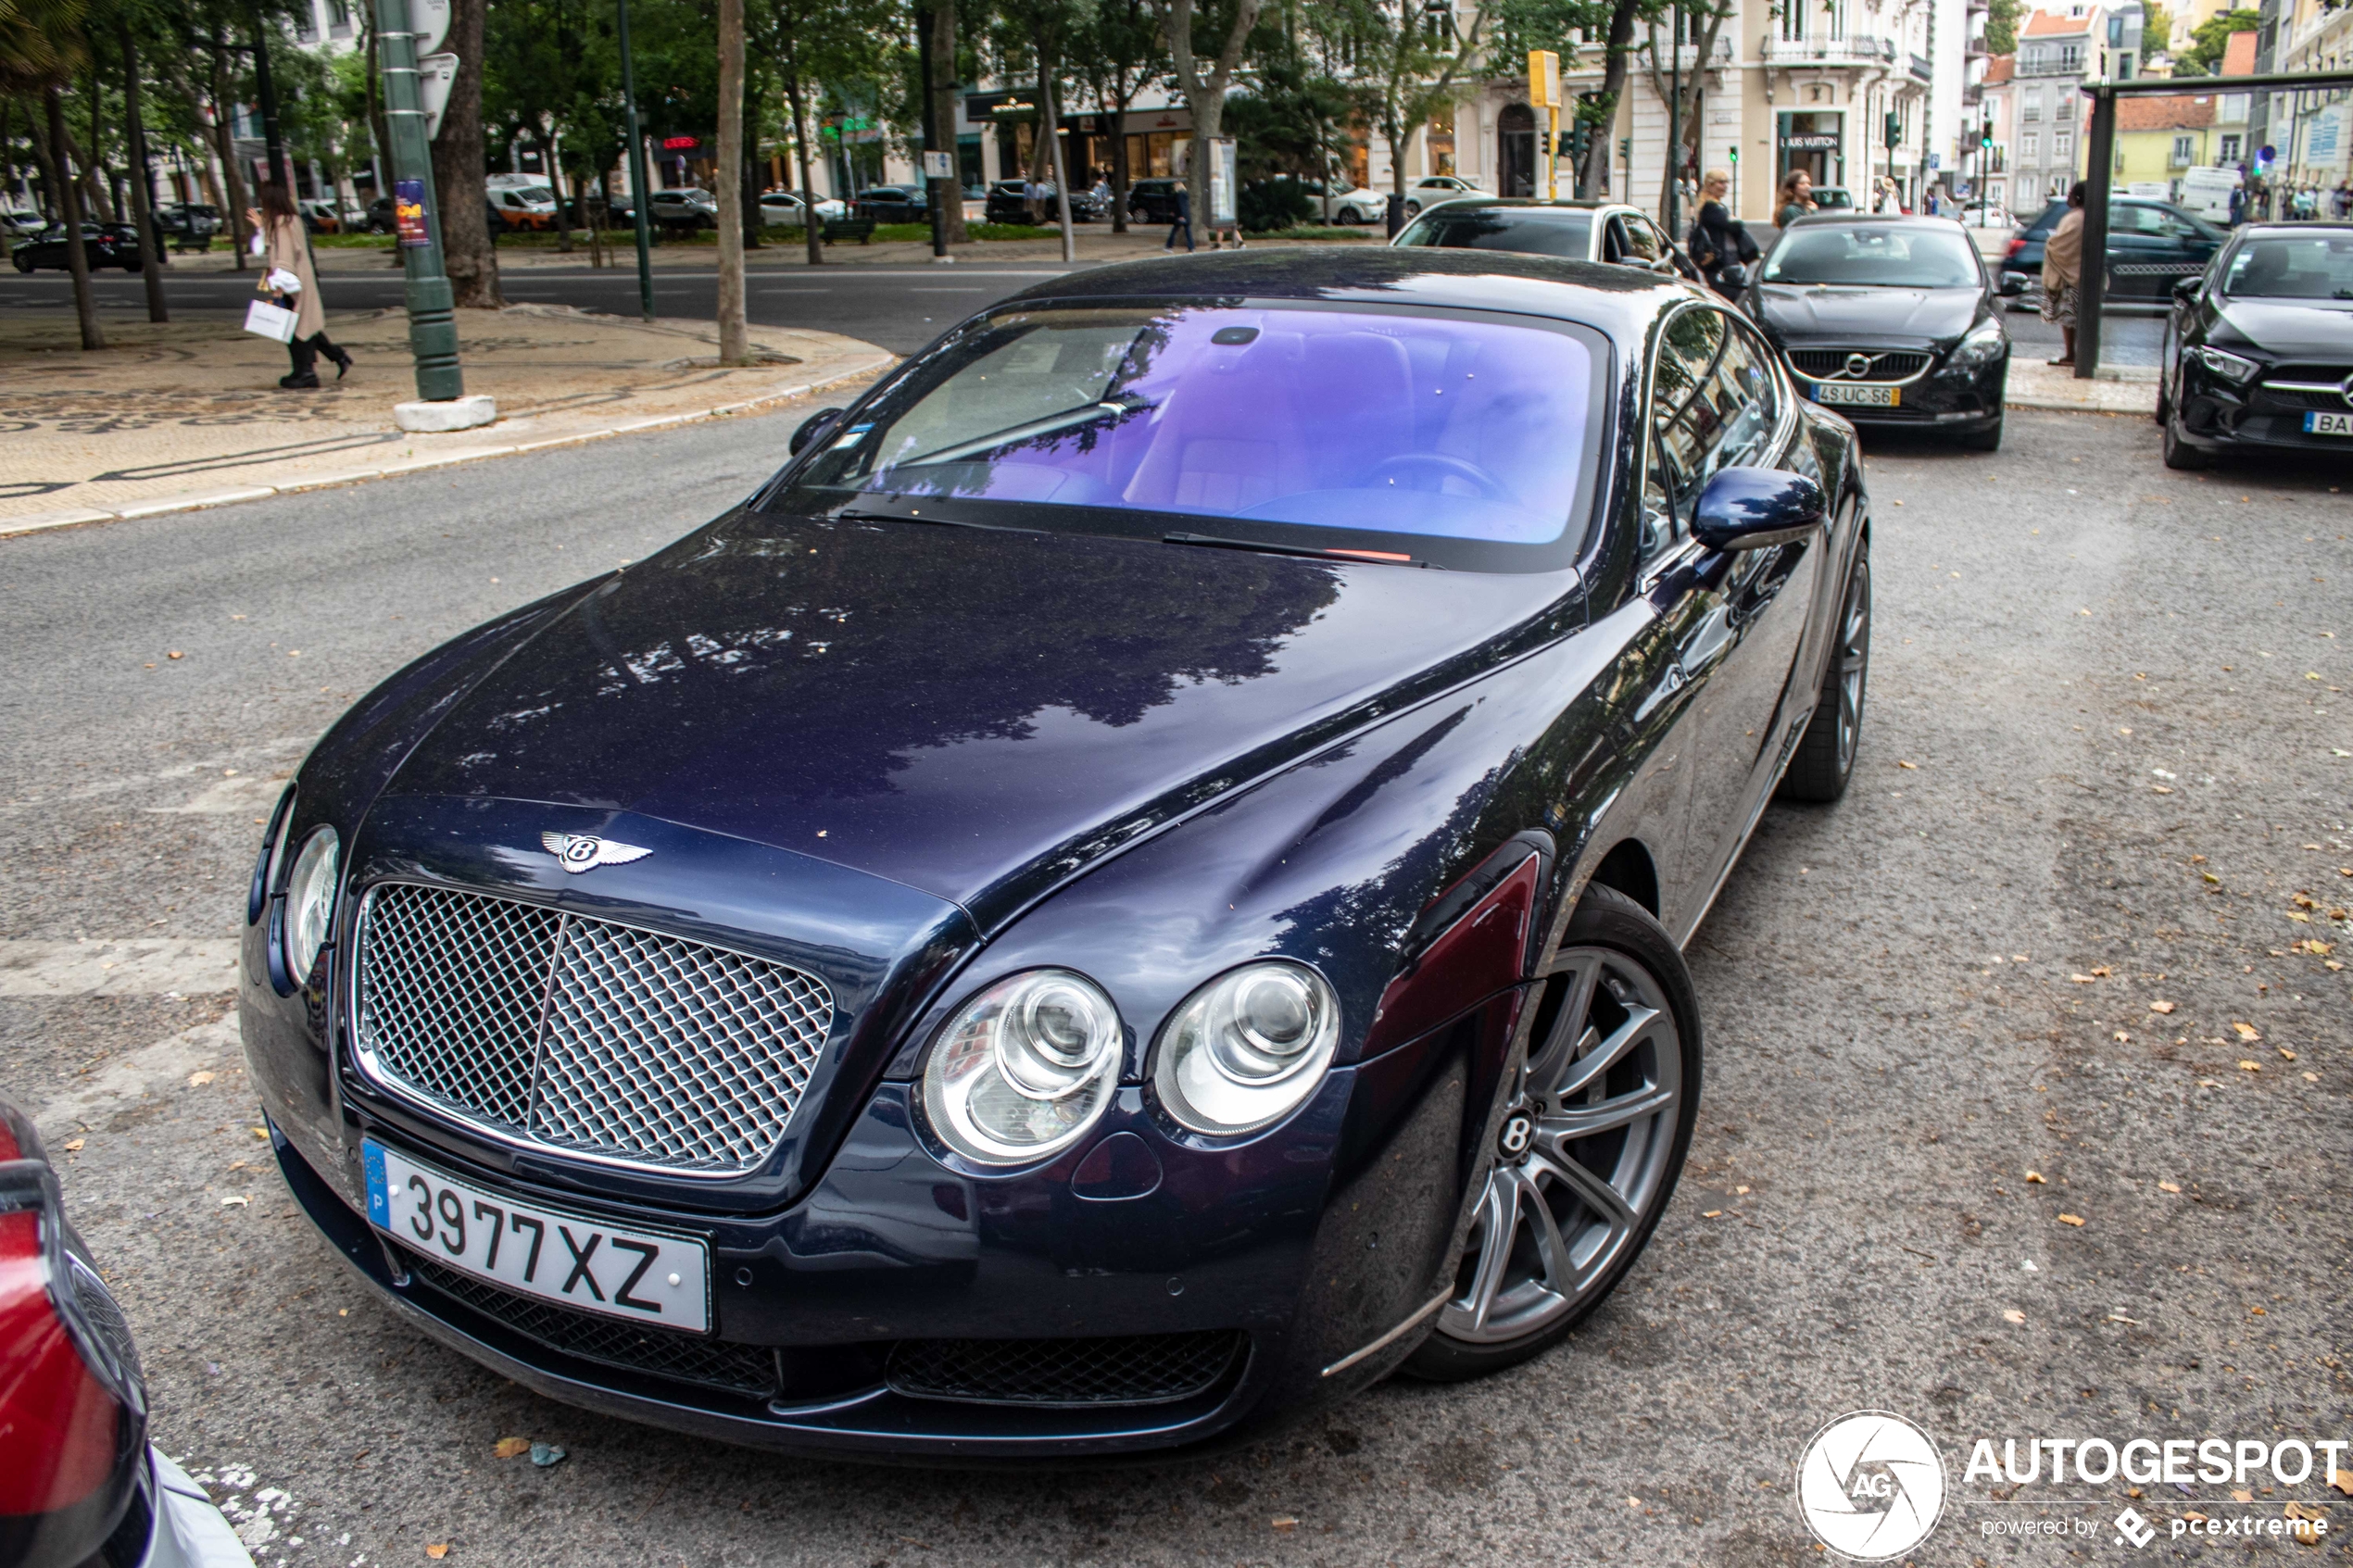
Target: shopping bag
280,280
265,320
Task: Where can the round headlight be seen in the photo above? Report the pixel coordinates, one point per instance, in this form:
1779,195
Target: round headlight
1247,1049
310,901
1025,1068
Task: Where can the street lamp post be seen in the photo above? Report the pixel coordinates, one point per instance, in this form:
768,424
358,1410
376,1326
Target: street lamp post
432,324
637,167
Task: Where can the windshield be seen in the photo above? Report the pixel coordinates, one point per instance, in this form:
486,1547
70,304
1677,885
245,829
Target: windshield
2314,267
1535,232
1874,253
1392,430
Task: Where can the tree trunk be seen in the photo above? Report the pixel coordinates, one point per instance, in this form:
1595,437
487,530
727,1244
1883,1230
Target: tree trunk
938,24
469,253
749,179
1205,95
811,228
1592,176
151,262
93,181
85,305
1119,171
225,149
1046,108
735,345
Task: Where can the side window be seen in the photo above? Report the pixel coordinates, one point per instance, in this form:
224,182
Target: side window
1713,404
1641,242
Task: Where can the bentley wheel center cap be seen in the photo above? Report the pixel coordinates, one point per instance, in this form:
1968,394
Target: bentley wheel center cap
1518,1135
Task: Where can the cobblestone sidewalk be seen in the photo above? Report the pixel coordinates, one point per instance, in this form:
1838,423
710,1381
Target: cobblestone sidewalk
190,414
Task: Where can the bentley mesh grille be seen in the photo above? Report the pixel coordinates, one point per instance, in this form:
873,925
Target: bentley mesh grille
1139,1369
582,1034
1829,364
742,1369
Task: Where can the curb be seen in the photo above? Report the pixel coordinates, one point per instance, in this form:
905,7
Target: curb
200,500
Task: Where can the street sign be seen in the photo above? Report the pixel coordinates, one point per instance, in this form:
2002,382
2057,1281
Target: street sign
435,75
1223,183
1543,77
431,20
939,166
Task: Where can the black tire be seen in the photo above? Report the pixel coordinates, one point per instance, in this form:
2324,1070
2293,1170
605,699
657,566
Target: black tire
1616,940
1413,209
24,260
2164,415
1986,440
2180,454
1825,759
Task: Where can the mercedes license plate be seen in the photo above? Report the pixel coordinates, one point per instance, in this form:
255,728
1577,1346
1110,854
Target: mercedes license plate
1862,396
2319,423
552,1254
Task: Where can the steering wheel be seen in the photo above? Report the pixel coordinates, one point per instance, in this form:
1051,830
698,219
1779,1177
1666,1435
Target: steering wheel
1441,466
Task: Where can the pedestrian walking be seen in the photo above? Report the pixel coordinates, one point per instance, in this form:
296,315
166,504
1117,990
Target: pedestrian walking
1184,224
2239,205
1720,244
1797,198
286,253
2063,272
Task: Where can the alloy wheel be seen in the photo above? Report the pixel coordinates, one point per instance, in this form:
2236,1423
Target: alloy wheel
1854,660
1585,1156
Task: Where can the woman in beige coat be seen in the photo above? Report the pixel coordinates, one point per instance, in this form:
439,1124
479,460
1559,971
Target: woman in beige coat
2063,272
287,249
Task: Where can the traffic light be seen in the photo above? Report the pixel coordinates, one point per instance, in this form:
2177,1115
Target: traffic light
1580,141
1985,137
1895,130
1734,154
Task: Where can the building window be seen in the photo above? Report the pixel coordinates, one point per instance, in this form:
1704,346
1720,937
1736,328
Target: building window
2030,146
1794,20
2184,151
2071,56
2062,148
2230,149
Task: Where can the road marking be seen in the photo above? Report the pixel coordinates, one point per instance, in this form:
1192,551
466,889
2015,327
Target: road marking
163,1065
947,291
139,966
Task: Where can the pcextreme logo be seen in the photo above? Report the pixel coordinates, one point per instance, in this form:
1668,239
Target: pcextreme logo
1871,1486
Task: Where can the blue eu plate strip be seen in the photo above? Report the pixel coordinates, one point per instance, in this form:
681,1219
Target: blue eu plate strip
371,1160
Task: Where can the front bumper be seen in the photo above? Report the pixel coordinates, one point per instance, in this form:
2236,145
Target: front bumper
1944,399
2217,417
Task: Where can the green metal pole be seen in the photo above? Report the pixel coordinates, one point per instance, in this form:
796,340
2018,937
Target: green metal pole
638,194
433,325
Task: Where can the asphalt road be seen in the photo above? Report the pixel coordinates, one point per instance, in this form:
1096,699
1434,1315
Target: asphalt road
900,307
2105,763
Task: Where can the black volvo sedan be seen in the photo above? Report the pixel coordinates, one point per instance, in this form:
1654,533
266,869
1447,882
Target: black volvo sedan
1132,890
2258,351
1892,319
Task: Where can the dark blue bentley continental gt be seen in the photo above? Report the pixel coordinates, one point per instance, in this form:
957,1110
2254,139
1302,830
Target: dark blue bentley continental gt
1133,890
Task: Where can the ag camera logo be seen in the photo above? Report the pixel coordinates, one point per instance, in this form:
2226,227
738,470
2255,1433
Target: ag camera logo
1871,1486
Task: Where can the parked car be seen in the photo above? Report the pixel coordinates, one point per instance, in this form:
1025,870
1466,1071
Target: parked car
1341,201
683,210
894,204
320,216
1154,201
21,223
2259,350
83,1485
187,226
784,209
106,244
2151,246
1834,198
378,218
1020,1065
1008,203
1891,320
524,206
1582,230
1431,189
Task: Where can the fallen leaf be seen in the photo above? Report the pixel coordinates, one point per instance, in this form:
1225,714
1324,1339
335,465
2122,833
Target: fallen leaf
2240,1494
261,1133
2081,979
2246,1031
235,1201
2013,1315
2311,1077
1740,1192
2103,972
2255,1311
2035,1176
198,1080
2285,1052
512,1448
2169,1187
1284,1523
2250,1067
2341,1479
175,653
1913,766
2122,1038
2070,1219
1712,1214
438,1551
2161,1006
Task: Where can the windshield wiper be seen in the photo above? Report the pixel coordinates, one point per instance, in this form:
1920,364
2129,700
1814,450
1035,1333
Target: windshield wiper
1070,418
1391,558
858,514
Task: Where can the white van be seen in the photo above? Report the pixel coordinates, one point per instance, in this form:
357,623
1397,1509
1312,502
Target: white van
2206,191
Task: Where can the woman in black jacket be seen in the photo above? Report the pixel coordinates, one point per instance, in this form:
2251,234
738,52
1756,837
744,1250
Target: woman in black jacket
1720,244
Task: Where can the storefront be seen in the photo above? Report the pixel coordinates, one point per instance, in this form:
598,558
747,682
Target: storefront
1812,140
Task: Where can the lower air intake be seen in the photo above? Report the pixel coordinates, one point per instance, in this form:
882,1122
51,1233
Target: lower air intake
1140,1369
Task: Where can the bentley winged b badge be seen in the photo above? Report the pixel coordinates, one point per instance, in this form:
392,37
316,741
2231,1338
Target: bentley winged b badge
580,853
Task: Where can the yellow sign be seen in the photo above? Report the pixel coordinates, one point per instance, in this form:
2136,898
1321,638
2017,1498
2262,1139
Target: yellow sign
1544,93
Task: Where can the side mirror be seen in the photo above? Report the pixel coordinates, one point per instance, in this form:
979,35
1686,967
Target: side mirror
2013,285
812,428
1753,509
2186,289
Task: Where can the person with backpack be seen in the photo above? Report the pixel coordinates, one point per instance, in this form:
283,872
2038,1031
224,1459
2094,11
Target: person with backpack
1720,245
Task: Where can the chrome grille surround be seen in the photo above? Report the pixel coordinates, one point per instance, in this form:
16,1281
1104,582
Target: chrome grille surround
578,1035
1884,365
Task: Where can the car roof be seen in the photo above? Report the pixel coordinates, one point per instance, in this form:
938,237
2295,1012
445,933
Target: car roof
1620,301
1532,204
2337,225
1850,218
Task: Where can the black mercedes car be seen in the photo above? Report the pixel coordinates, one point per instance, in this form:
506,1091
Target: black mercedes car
2258,351
1008,203
105,244
1132,890
1890,320
895,204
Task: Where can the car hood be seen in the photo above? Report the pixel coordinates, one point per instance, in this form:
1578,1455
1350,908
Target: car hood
975,713
1889,317
2293,331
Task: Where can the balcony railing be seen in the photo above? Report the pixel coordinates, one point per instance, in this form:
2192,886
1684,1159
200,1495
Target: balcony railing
1828,51
1921,70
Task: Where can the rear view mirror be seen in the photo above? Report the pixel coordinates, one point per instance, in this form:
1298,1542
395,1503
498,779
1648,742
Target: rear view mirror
2186,288
812,428
1751,509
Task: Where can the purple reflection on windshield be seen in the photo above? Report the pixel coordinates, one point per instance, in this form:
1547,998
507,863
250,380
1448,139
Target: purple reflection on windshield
1391,423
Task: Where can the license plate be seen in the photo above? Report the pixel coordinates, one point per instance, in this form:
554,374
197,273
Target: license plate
1866,397
553,1254
2317,422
